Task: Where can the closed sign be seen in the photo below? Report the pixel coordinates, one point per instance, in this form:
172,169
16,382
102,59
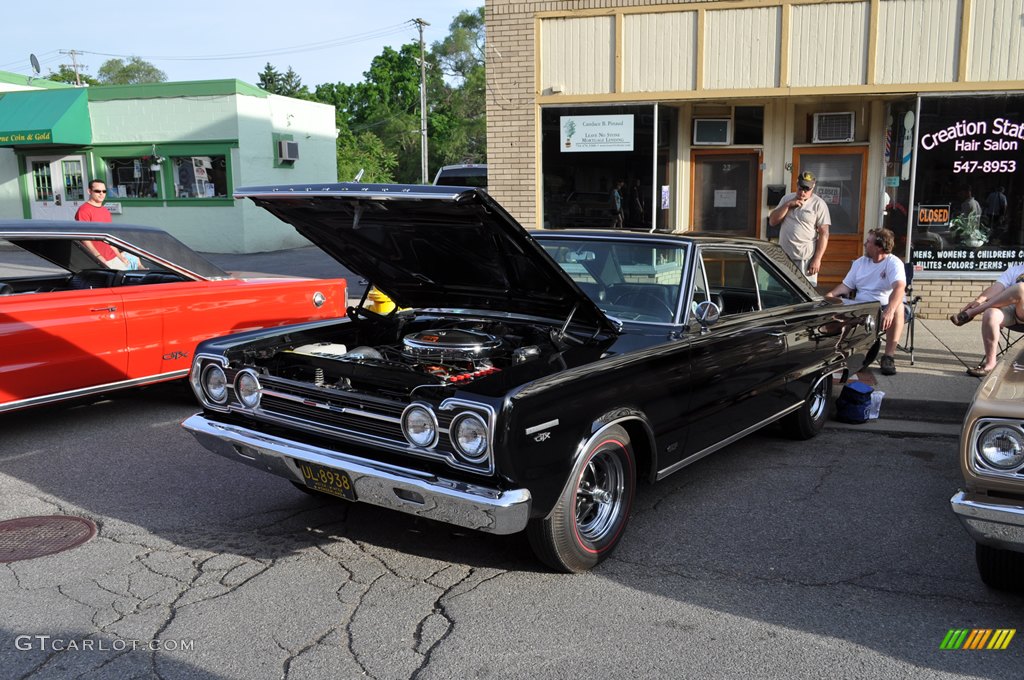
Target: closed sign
933,215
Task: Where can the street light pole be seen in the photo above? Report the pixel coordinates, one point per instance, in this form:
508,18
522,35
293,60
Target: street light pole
420,23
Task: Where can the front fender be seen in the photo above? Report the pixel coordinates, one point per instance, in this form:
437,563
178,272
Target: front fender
540,453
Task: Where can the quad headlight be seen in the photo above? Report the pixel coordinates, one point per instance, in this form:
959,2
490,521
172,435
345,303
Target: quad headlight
215,384
1001,447
247,388
469,437
419,425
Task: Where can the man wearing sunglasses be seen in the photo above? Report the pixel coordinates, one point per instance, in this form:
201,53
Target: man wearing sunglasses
804,220
93,211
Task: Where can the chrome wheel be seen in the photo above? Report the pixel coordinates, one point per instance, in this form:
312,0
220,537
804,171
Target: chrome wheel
599,496
592,511
819,397
809,419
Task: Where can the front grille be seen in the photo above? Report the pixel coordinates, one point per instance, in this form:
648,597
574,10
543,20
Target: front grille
344,414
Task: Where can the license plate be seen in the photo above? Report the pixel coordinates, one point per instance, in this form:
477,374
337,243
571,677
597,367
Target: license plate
327,480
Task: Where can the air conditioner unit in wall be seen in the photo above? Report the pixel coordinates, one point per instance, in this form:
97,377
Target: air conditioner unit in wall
287,151
833,127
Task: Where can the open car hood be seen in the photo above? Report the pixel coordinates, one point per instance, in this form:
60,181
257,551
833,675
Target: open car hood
432,246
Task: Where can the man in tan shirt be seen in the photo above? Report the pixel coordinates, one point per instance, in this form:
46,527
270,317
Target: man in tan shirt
805,221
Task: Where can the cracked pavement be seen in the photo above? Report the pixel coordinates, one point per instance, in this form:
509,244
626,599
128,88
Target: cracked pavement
837,557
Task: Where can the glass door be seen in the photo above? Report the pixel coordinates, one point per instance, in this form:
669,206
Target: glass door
57,186
842,176
726,193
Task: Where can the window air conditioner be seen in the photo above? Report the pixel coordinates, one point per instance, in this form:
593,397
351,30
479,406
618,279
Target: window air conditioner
287,151
833,127
712,131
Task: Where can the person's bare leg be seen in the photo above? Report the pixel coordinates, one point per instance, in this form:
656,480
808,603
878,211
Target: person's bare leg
991,322
894,333
1013,295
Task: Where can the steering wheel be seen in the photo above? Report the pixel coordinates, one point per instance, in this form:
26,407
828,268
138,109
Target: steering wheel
643,300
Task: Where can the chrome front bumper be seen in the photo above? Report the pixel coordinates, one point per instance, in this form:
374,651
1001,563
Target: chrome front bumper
1000,525
417,493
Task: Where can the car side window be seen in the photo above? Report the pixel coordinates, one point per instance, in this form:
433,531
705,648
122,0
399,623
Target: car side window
774,290
732,284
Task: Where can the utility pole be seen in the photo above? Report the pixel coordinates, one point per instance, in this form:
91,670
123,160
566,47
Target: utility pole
420,23
74,64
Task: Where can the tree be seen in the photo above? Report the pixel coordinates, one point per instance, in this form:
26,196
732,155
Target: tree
65,73
287,85
269,79
458,118
132,72
379,118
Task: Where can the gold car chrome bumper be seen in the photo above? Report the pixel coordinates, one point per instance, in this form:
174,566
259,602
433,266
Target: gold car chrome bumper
1000,525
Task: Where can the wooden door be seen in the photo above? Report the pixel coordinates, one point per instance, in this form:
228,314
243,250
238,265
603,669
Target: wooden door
726,191
842,184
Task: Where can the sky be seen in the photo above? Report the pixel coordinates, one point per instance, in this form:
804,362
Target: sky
324,41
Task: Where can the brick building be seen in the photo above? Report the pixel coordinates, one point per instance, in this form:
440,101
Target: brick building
708,109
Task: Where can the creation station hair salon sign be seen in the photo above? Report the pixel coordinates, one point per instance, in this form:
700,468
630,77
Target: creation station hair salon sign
970,183
596,133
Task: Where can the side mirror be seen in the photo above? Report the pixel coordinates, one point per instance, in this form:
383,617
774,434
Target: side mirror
707,313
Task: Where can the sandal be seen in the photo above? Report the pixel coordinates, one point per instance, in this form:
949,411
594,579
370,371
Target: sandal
979,371
959,319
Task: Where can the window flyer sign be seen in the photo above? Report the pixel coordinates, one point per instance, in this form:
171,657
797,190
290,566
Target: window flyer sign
596,133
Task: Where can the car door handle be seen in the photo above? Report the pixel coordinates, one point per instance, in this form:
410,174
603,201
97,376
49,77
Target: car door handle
103,309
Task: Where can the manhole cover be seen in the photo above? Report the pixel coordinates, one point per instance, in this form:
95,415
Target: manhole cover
27,537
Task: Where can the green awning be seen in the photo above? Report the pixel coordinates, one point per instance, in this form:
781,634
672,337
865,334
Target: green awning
43,117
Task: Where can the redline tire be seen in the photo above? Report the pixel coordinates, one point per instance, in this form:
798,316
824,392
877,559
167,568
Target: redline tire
591,514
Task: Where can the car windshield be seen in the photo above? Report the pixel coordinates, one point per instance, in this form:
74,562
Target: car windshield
629,280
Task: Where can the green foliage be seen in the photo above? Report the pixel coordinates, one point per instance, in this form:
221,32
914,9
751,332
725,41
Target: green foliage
65,73
131,72
378,118
287,85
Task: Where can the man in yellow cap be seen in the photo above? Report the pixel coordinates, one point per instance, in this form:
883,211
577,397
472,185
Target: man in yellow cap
805,221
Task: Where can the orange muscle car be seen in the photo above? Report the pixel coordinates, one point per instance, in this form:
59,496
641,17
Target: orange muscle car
87,308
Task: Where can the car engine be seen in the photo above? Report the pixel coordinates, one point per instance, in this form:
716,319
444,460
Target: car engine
440,354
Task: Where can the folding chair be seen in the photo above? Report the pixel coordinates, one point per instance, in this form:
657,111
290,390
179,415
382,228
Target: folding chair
910,303
1010,336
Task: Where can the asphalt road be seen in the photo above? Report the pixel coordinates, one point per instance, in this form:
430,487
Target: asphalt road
834,558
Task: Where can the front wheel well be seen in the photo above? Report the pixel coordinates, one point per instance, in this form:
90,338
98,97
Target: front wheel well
643,446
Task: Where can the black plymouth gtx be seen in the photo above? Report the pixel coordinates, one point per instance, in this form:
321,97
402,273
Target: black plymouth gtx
526,380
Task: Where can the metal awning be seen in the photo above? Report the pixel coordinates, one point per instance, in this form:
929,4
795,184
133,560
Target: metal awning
45,117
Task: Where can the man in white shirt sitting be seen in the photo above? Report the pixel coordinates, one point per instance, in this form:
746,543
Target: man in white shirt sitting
879,275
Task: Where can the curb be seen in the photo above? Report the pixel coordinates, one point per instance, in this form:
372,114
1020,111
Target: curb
950,412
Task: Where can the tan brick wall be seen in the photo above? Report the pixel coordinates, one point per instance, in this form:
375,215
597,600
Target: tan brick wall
939,299
511,97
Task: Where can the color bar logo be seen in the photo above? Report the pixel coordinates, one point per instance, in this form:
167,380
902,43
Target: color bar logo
978,638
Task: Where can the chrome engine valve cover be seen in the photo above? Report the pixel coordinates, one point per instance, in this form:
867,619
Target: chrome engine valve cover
450,344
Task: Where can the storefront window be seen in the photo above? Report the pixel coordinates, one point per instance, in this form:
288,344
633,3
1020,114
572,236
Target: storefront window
199,176
969,188
585,153
133,177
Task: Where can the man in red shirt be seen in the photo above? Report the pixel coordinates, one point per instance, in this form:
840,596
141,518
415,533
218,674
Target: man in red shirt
93,211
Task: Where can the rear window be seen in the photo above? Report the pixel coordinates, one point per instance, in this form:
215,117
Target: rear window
462,177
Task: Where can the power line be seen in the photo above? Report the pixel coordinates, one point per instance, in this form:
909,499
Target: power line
307,47
54,56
